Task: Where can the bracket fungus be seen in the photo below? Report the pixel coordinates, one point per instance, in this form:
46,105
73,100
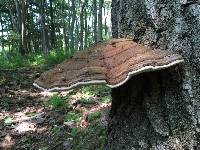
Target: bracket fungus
112,62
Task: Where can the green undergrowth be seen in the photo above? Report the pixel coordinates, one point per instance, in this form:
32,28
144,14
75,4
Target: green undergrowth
57,102
94,116
15,60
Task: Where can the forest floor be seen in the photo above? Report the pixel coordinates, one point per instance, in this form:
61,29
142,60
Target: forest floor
32,119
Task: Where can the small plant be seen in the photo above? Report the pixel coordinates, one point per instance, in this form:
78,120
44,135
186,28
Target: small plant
8,121
94,116
55,129
74,132
72,116
85,101
106,99
58,103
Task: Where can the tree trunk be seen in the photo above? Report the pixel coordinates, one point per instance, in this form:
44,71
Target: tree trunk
53,34
19,26
86,25
65,42
100,37
81,24
23,27
2,35
158,110
43,29
72,25
95,20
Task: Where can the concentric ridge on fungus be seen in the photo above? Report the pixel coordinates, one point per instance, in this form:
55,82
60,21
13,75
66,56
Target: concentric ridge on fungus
112,62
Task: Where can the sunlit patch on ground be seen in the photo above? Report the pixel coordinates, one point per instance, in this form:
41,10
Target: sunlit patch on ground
33,119
7,142
25,126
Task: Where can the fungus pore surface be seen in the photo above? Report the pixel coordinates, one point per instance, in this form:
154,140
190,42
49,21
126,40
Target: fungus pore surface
112,62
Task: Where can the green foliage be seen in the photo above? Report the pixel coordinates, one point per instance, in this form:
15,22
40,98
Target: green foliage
74,132
56,56
43,148
55,129
94,116
14,60
74,115
106,98
8,121
58,102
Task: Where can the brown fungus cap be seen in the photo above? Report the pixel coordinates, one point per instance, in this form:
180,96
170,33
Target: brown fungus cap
112,62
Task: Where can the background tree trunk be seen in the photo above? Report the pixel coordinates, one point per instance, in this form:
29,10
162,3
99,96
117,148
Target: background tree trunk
100,37
23,27
158,110
83,4
19,26
95,20
53,35
86,24
72,25
43,29
2,34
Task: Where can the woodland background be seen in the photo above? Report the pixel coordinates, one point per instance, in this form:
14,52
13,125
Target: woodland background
43,28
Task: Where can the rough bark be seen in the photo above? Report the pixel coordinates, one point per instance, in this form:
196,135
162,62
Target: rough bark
158,110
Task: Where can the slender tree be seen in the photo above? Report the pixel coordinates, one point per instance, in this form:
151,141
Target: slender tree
2,33
86,25
53,35
43,28
100,37
23,26
82,24
72,25
95,20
